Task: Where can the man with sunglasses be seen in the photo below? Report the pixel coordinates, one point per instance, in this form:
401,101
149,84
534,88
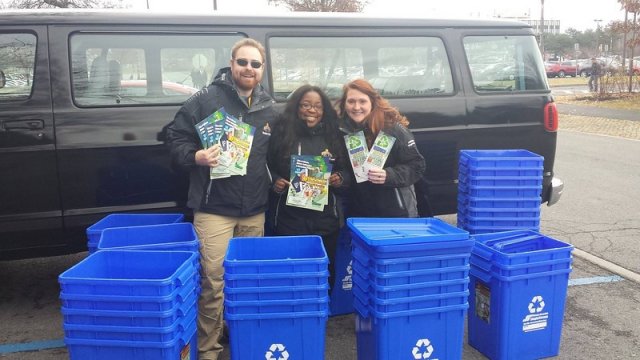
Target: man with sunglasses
232,206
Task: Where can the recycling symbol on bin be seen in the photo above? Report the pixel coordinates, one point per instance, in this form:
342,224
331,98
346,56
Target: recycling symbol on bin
277,352
423,349
536,305
349,268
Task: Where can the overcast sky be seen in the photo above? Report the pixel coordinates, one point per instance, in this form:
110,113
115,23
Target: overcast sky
578,14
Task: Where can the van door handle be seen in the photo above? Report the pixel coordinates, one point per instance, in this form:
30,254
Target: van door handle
23,125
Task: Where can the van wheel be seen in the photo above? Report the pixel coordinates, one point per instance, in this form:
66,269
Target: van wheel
561,74
583,74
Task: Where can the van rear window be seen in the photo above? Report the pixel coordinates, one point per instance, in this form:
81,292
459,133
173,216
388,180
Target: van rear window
133,69
395,66
505,63
17,65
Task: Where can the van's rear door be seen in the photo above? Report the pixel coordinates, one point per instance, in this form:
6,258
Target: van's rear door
30,213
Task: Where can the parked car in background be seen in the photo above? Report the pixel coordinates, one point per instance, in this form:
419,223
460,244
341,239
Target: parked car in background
561,68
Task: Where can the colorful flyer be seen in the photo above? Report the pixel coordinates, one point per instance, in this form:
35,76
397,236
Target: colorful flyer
309,182
235,145
209,131
358,152
379,151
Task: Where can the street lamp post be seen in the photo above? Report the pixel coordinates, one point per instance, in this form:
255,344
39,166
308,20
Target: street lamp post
597,21
542,29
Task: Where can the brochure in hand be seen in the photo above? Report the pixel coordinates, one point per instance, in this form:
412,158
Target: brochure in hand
379,151
235,144
309,180
358,152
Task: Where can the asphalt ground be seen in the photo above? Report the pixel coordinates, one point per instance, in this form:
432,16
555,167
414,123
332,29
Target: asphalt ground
601,316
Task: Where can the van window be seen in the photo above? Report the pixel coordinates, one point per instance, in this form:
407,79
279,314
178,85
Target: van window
17,62
134,69
505,63
395,66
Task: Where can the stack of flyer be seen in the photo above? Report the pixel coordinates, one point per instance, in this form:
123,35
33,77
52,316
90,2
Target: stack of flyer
363,159
234,137
309,187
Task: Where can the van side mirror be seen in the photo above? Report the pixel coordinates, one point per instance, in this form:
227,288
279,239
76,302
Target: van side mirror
3,79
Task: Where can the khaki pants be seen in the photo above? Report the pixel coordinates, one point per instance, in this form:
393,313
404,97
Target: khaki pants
214,232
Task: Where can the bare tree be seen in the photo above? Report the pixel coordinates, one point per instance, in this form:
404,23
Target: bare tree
70,4
323,5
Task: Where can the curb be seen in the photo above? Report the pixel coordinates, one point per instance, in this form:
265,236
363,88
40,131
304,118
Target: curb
616,269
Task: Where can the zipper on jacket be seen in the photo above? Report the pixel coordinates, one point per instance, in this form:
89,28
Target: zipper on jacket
335,205
399,198
206,200
275,217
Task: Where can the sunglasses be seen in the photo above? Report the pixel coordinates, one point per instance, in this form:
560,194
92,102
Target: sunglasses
254,63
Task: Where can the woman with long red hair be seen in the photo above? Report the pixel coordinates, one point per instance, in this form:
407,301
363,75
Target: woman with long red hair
388,190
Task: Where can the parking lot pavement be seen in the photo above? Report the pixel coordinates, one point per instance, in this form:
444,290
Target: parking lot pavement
601,315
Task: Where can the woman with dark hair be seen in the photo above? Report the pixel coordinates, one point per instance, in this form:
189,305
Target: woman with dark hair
308,126
388,190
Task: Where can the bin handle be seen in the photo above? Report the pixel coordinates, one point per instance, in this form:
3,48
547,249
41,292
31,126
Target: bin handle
486,278
184,276
185,292
510,240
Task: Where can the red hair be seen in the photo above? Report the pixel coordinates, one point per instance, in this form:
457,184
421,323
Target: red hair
382,114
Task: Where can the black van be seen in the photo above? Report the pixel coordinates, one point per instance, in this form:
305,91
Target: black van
86,94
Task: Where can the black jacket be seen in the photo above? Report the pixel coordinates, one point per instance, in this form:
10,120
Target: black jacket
237,196
396,197
290,220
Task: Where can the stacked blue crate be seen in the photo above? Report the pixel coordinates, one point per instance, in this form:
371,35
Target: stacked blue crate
518,290
126,220
130,305
276,297
410,286
499,190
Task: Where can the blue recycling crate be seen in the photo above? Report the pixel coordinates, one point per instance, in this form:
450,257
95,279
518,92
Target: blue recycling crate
275,254
527,191
434,333
475,213
183,346
341,296
299,335
130,273
129,318
517,317
126,220
169,237
500,158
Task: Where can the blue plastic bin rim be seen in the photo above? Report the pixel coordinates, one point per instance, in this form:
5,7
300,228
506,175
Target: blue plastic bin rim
262,276
324,314
483,263
499,154
178,326
407,273
412,299
362,254
274,289
409,313
486,276
117,235
411,286
181,274
106,222
182,338
180,294
495,242
228,260
397,231
259,303
179,309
